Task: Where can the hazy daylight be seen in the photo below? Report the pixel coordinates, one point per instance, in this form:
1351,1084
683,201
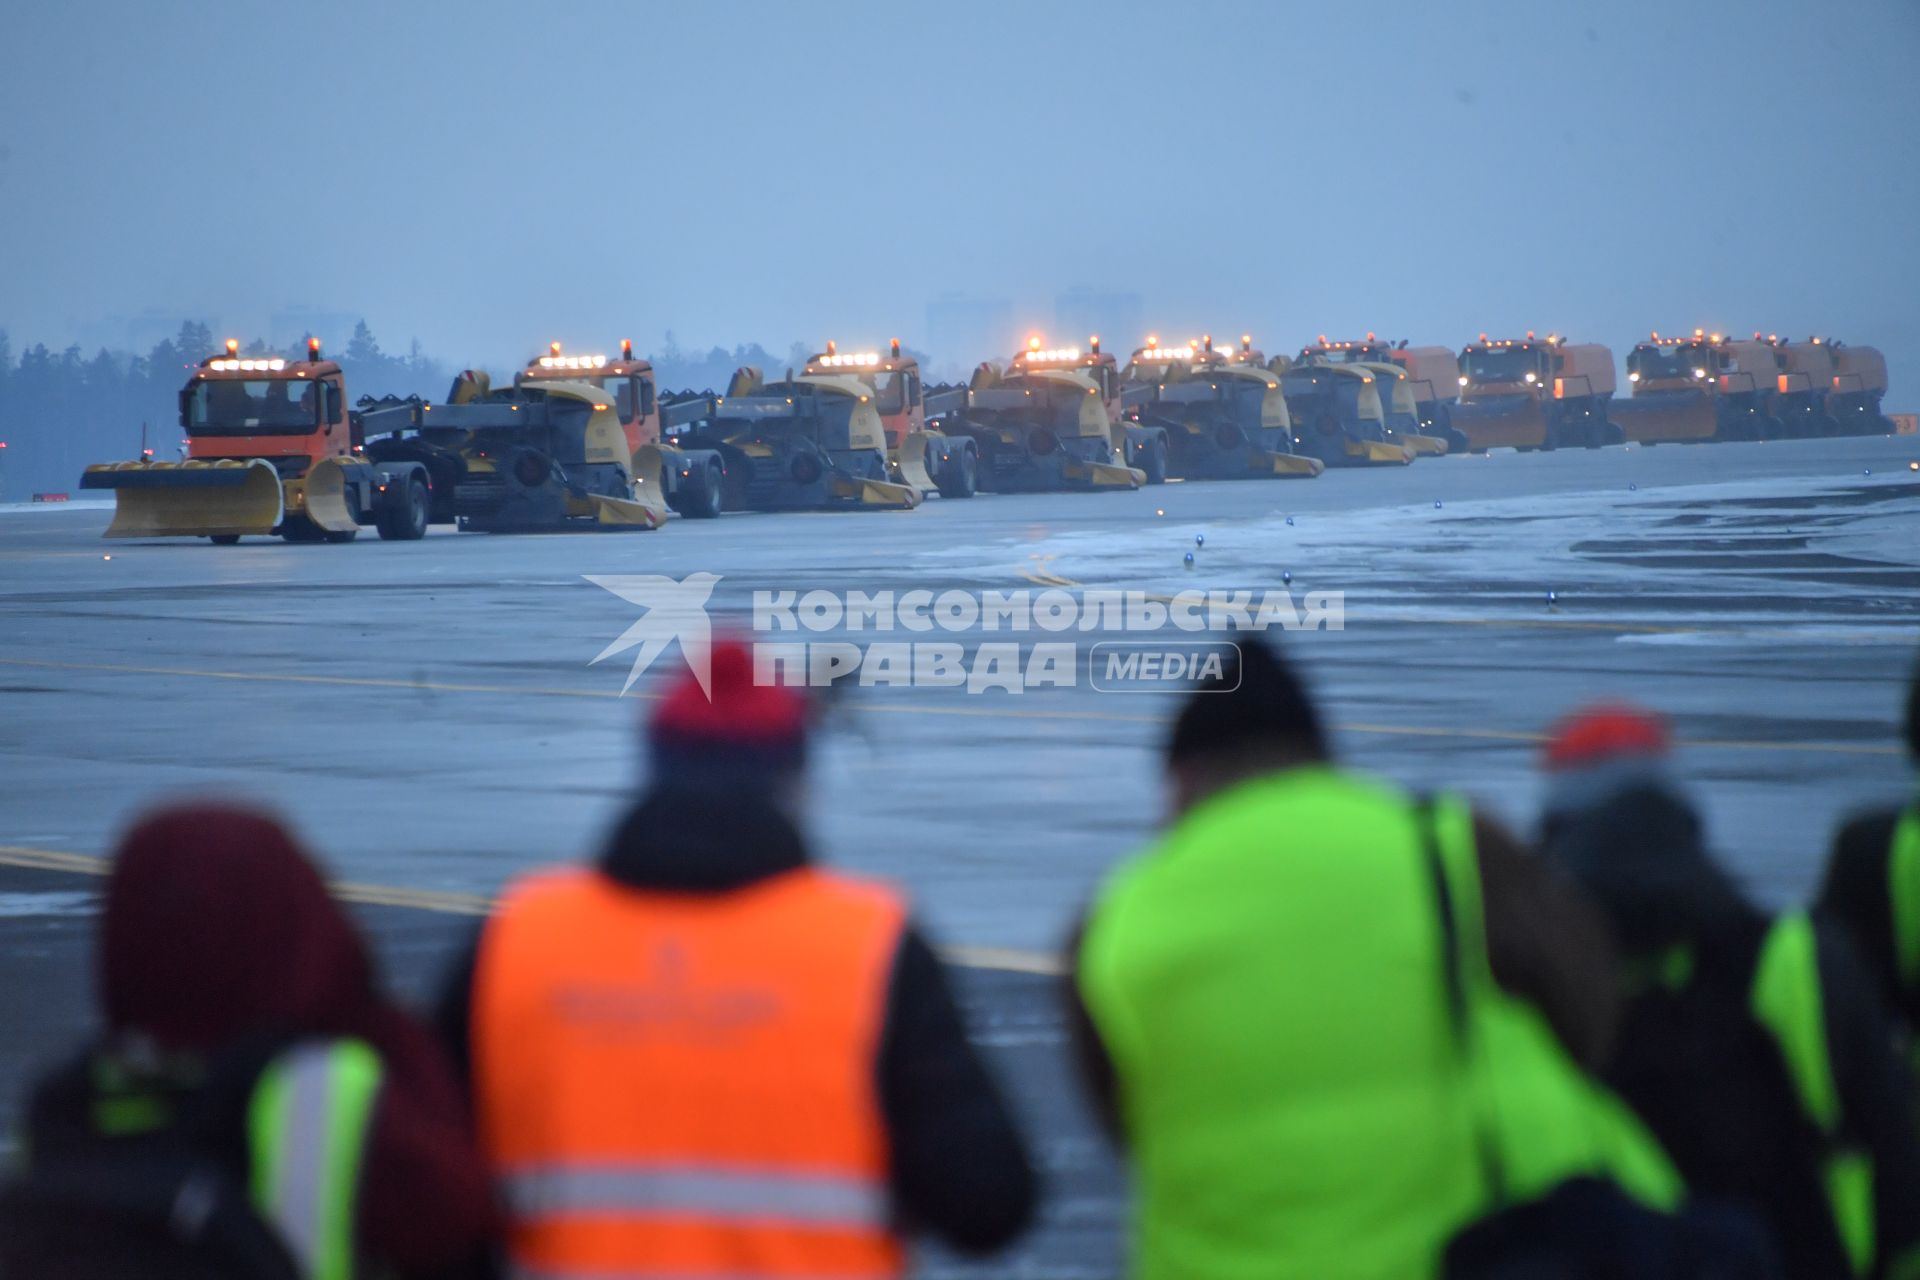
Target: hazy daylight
489,176
957,640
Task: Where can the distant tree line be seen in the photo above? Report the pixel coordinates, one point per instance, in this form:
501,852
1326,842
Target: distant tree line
61,409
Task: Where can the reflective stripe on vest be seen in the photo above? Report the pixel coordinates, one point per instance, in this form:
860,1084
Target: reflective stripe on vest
702,1191
1903,894
1787,1001
676,1084
307,1125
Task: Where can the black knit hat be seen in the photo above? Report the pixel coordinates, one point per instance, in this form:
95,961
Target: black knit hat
1256,701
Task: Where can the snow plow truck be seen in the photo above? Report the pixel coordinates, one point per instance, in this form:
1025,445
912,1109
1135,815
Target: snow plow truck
1535,393
272,448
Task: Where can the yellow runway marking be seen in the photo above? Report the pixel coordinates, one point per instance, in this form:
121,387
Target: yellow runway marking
442,902
872,708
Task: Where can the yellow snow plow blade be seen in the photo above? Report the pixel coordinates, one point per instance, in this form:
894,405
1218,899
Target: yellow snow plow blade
648,489
1515,422
1103,475
1379,453
875,493
1291,465
622,514
189,499
322,495
1665,416
909,462
1425,446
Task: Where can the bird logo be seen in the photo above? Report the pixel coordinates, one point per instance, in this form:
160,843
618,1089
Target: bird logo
676,611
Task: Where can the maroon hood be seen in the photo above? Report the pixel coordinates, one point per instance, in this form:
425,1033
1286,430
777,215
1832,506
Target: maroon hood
217,925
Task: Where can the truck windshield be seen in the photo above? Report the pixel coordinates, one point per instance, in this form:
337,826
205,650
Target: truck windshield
1503,365
233,406
1678,361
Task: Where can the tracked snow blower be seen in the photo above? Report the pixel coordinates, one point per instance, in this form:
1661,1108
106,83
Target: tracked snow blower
546,456
1535,393
689,481
1223,414
1407,404
1044,425
1339,414
271,449
807,442
919,453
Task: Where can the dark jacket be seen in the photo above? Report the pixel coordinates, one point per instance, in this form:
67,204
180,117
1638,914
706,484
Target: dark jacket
959,1166
1709,1080
1545,944
1855,897
218,935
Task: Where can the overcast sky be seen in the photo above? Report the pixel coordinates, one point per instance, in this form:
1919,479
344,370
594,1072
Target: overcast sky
488,175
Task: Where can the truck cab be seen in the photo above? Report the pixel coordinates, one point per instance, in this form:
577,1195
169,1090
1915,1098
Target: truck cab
1534,393
292,413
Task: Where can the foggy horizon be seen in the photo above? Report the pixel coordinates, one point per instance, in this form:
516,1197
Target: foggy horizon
488,179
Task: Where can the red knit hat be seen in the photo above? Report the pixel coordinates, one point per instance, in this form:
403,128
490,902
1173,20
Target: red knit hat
1603,749
1604,731
731,730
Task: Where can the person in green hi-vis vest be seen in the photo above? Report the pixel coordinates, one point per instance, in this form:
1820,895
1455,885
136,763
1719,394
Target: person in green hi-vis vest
1340,1031
1753,1045
1872,889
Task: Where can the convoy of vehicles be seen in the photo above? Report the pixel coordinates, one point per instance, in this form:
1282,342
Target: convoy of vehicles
1709,386
585,441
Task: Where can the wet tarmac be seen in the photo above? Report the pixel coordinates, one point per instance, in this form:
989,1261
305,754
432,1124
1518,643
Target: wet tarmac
428,716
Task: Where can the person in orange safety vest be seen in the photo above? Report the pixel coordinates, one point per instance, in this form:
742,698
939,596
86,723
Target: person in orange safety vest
706,1055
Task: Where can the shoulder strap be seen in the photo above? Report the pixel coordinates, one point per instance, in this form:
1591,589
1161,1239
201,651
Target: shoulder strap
307,1125
1445,827
1787,1000
1903,895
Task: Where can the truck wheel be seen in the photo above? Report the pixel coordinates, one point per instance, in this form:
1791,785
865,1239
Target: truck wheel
960,477
223,539
707,505
1154,460
406,519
